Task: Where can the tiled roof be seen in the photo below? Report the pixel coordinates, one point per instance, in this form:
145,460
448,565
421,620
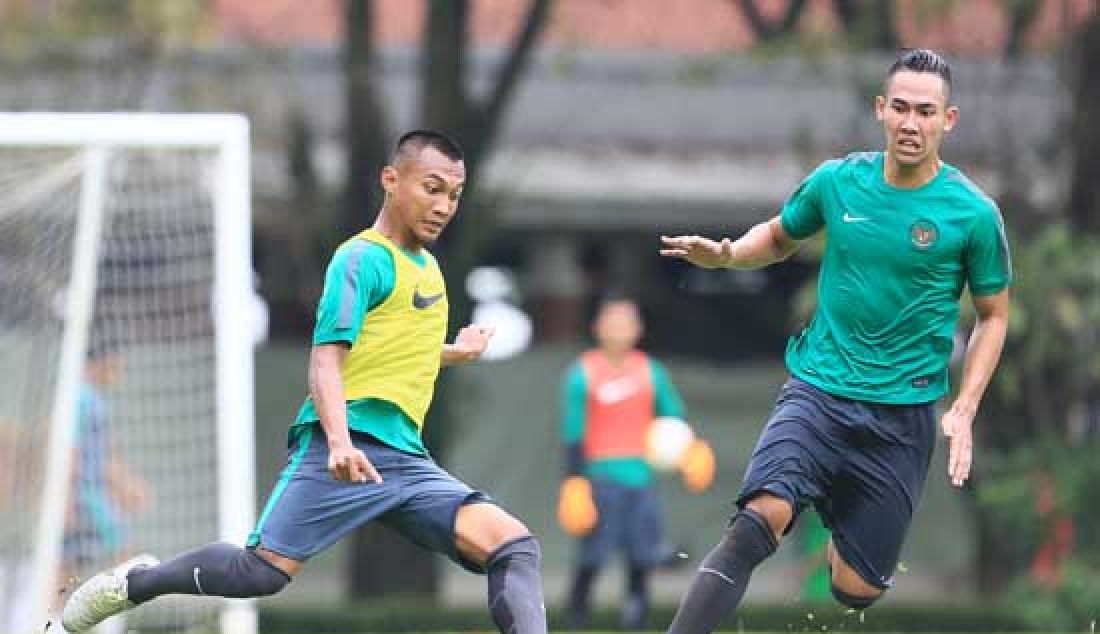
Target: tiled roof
974,27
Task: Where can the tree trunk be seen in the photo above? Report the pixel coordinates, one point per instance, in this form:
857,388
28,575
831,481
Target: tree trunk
1084,199
382,563
368,131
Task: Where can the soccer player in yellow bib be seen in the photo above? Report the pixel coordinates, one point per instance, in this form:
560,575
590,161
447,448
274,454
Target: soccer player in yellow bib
356,453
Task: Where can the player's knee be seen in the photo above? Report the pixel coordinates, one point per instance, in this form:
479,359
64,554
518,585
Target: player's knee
776,510
848,586
255,576
855,601
525,548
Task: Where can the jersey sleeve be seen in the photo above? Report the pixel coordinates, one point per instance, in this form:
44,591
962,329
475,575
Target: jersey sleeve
667,401
988,261
359,277
574,398
802,214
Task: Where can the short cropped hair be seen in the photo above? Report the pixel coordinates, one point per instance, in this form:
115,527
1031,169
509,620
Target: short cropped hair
922,60
616,296
414,141
101,346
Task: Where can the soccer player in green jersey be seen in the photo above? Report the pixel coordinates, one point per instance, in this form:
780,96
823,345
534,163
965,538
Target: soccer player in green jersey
854,427
356,453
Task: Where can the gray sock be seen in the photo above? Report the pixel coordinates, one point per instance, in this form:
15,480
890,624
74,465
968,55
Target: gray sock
724,574
636,606
217,570
515,587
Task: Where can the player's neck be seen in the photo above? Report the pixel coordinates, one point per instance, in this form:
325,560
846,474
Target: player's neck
910,176
615,357
395,233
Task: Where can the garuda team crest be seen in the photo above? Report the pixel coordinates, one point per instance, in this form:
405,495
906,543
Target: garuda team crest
923,233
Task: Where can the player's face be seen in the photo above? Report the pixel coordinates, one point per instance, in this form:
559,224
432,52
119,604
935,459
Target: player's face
915,115
106,370
618,327
424,190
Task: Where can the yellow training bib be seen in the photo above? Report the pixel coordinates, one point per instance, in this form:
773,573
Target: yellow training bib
397,354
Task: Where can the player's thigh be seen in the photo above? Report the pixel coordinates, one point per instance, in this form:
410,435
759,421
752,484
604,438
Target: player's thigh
613,517
443,514
872,504
800,450
308,510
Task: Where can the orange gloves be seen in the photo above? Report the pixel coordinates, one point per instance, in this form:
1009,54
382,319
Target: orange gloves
697,466
576,510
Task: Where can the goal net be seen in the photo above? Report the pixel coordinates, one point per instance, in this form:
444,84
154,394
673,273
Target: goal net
126,394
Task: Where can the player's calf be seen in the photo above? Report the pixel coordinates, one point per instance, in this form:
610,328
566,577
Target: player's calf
724,574
217,570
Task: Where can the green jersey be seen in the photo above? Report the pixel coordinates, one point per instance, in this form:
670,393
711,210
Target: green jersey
895,265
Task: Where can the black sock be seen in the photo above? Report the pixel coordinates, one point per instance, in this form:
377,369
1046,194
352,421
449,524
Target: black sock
636,606
515,587
217,570
579,593
724,574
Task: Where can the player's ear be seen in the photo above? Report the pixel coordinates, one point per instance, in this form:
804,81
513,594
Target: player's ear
388,178
880,107
951,116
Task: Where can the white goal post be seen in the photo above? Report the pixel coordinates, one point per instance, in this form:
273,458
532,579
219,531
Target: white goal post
123,234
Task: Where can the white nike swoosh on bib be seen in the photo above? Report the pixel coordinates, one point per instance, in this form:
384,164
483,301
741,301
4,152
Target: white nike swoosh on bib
617,390
850,218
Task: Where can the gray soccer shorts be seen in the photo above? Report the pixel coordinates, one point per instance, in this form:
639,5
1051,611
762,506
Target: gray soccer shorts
308,510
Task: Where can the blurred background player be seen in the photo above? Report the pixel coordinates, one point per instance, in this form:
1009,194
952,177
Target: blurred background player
611,395
105,490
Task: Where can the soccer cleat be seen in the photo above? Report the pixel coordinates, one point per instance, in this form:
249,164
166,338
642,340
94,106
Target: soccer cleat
102,596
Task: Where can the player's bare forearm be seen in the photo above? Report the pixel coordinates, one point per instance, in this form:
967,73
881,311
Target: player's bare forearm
326,387
453,356
762,245
984,349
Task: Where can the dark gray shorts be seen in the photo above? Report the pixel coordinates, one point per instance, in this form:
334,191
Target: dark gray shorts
629,520
308,510
862,465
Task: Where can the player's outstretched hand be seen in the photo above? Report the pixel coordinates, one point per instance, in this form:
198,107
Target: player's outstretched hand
702,252
471,341
349,464
957,423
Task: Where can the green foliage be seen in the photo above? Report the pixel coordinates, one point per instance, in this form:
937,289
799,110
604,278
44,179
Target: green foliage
1011,481
1049,365
28,27
1034,431
1071,607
